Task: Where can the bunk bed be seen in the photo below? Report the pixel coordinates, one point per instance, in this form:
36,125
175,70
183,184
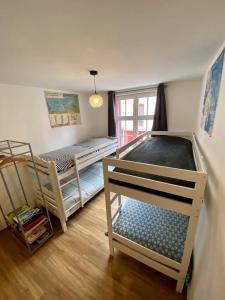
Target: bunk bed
154,189
71,176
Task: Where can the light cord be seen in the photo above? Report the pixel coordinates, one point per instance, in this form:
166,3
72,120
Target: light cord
95,84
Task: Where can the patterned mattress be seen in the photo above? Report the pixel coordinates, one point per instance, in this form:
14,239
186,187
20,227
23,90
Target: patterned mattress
158,229
64,157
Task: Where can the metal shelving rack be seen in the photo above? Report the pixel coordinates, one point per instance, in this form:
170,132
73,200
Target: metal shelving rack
12,153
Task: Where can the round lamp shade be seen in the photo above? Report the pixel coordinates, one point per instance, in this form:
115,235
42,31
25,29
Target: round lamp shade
96,100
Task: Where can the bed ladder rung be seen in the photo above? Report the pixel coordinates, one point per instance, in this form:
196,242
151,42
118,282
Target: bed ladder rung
117,212
114,198
67,182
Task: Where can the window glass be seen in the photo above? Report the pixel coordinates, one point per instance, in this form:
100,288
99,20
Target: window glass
142,106
129,107
151,105
134,116
141,126
121,108
129,133
149,125
121,131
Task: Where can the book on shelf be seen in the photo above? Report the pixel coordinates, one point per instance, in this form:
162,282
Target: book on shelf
25,216
40,221
13,213
36,233
30,219
26,219
43,238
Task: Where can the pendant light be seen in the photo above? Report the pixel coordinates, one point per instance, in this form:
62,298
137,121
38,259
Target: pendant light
95,100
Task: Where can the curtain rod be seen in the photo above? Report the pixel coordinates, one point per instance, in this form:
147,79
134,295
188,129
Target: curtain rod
138,90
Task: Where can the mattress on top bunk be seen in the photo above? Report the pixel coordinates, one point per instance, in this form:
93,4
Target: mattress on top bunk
168,151
64,157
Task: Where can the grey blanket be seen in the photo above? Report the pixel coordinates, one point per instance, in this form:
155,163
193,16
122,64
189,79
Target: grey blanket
165,151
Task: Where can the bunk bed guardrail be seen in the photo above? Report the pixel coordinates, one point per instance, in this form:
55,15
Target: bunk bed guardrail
57,181
116,186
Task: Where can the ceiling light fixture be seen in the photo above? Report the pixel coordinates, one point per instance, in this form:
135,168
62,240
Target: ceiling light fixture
95,100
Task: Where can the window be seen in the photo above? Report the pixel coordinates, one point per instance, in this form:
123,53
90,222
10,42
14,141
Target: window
135,114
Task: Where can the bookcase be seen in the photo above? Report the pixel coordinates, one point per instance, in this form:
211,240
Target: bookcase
31,225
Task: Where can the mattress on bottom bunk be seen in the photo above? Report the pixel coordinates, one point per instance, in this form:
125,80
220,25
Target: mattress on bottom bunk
167,151
64,157
158,229
91,180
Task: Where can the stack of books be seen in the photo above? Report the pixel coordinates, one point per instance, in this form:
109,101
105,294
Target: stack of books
29,221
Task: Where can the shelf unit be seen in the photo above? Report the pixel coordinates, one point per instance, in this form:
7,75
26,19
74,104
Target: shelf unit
39,230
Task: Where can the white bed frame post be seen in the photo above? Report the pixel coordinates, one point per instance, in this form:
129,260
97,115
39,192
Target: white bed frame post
119,196
192,227
57,191
108,207
78,181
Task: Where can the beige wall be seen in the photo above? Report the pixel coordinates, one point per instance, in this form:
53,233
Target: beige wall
24,117
182,99
208,281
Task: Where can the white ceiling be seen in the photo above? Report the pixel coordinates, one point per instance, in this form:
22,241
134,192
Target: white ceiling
53,43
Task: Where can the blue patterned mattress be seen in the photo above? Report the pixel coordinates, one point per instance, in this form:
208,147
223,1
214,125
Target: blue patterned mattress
64,157
158,229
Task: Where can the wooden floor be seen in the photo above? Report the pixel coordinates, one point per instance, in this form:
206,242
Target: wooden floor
76,265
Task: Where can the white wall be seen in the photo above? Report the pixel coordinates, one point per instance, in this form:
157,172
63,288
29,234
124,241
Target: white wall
24,117
182,98
208,281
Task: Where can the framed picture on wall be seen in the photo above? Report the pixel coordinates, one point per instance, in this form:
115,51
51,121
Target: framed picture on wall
63,109
211,94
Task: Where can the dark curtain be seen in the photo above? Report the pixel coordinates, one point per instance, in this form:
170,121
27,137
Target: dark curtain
160,118
111,114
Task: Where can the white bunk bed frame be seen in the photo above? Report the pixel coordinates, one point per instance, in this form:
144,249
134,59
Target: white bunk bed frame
113,192
48,172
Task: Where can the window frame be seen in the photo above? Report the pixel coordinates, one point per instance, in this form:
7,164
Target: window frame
135,118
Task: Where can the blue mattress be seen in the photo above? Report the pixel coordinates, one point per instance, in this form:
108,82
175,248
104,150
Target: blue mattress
91,180
158,229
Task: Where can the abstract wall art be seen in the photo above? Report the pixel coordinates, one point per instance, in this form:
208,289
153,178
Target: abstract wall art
211,94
